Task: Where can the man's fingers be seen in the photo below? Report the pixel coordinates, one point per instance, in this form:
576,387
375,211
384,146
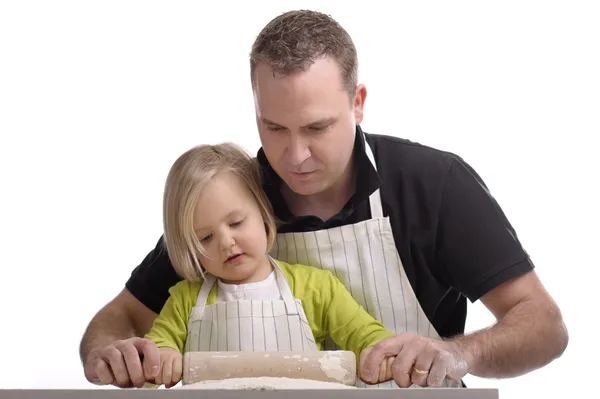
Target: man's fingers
134,365
115,360
404,364
421,369
148,349
102,371
437,373
383,349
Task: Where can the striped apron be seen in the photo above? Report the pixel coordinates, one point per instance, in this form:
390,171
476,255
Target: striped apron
363,256
249,325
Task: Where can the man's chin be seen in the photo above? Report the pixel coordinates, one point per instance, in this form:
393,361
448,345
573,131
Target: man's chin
304,188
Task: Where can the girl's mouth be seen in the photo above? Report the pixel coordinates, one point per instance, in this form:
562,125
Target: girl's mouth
234,258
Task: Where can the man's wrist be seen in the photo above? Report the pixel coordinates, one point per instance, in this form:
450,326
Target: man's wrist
466,350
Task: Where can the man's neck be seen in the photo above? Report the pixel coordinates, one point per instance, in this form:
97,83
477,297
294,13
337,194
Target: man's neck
325,204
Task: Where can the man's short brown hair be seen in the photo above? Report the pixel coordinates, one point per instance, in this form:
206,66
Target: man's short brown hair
294,40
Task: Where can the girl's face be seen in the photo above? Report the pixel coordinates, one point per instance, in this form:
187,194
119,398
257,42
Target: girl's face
229,224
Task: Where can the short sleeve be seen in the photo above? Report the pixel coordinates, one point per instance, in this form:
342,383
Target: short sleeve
170,327
150,280
477,249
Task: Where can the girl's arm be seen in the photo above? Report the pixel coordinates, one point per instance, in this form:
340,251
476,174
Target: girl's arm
350,326
170,327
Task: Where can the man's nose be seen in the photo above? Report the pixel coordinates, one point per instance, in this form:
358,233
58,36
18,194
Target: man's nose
298,150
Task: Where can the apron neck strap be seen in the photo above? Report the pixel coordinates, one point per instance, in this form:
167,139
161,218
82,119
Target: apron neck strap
374,198
284,289
205,288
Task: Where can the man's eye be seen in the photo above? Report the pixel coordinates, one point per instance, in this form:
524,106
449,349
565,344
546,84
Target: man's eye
274,128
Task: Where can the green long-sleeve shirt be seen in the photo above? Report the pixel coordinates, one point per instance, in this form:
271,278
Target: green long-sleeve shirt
328,306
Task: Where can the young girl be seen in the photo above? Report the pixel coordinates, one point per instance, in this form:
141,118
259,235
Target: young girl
218,230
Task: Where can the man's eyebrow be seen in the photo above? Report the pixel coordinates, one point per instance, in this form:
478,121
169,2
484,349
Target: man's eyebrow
268,122
319,122
322,122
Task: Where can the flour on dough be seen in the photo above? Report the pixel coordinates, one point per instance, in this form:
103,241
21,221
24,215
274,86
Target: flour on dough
265,383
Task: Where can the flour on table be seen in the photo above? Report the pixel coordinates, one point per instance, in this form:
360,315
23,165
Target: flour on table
265,383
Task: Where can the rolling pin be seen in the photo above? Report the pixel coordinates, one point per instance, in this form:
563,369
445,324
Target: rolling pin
328,366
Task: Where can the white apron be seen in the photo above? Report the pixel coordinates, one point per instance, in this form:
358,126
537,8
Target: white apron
364,258
249,325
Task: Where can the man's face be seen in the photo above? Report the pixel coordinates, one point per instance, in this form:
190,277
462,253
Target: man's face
307,124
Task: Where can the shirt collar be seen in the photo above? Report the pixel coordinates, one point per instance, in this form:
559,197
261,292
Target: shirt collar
368,179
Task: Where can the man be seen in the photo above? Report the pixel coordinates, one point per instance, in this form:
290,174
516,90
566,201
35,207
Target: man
410,230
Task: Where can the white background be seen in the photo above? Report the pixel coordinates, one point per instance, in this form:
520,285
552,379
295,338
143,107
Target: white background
97,99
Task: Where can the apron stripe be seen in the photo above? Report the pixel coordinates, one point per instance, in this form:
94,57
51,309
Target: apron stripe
301,248
276,340
214,337
348,283
398,284
301,327
290,247
306,249
239,327
264,330
308,331
332,257
388,278
361,271
294,333
374,266
320,264
206,347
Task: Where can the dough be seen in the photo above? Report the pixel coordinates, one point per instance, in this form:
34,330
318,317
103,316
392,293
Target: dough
265,383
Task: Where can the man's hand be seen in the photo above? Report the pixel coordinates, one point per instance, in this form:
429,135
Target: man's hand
119,363
171,367
418,360
382,373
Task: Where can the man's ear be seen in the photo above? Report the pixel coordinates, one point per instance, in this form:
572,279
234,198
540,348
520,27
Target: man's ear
359,103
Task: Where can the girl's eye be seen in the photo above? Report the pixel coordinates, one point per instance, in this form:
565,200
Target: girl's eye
205,239
236,224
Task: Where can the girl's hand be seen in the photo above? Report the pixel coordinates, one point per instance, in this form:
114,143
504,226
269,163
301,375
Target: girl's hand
171,367
384,373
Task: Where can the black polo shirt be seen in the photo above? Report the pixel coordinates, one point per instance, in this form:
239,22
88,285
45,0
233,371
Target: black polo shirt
452,236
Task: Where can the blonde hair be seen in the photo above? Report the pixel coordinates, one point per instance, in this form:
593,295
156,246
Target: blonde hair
188,176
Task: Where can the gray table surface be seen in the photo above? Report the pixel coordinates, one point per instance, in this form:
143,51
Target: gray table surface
415,393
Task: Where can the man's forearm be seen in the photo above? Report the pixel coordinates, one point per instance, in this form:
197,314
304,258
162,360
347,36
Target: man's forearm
528,337
107,326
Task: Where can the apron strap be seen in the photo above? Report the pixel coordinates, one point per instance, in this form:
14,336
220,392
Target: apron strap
375,198
284,289
205,290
